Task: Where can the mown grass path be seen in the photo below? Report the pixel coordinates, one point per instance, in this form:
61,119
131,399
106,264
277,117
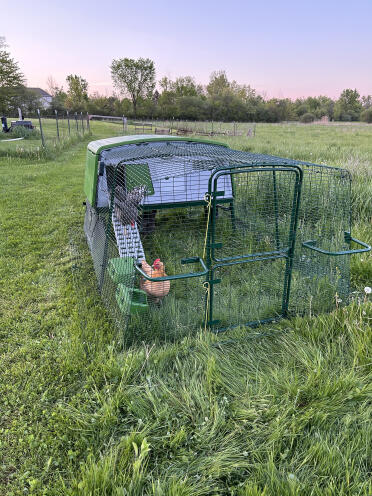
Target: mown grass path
289,413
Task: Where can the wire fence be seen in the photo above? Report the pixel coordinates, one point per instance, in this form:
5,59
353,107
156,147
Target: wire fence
179,127
39,131
202,128
62,125
45,130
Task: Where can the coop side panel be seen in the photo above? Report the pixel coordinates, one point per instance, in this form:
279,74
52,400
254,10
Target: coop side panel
90,182
95,232
321,281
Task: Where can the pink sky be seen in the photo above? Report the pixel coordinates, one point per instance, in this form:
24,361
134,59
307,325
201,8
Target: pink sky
283,49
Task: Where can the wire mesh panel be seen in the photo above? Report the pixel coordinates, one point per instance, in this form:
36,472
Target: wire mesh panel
324,218
258,220
251,249
187,234
247,293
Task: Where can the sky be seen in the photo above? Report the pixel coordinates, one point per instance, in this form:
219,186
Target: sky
283,49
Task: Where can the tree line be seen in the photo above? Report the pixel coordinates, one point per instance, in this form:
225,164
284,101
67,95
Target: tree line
138,95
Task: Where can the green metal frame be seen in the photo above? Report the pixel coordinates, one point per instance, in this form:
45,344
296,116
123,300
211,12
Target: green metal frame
123,273
177,276
311,245
214,194
287,253
160,206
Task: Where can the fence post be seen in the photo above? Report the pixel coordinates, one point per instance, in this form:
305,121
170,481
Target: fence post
68,122
56,112
41,129
123,125
76,122
88,123
82,122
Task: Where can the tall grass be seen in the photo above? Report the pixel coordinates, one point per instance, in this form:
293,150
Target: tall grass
284,409
31,147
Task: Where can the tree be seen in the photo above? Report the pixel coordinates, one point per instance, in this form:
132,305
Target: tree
77,93
134,77
348,107
366,115
366,101
11,77
58,94
52,85
102,105
59,100
186,86
10,74
191,107
326,107
307,118
218,83
167,105
165,84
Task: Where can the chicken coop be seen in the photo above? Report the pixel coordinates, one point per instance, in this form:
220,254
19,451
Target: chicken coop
188,234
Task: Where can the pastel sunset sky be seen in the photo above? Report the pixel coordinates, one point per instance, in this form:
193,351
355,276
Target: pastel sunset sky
282,48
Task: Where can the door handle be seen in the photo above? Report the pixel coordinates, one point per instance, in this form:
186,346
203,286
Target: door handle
311,244
177,276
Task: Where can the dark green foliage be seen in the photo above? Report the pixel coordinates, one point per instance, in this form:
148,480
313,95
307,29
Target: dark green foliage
77,94
23,132
307,118
11,78
366,116
348,107
10,74
135,78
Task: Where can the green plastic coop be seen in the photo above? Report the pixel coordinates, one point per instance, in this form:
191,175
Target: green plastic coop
242,238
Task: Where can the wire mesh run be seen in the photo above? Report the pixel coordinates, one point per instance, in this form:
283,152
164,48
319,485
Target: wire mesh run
187,234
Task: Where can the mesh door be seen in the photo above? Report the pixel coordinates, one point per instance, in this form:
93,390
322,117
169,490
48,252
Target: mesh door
251,245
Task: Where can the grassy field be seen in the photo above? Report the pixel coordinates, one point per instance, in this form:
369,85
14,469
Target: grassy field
285,410
31,146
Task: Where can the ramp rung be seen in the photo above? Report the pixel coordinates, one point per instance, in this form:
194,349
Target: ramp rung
128,239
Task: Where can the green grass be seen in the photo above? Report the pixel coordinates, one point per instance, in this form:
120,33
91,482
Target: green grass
284,413
31,147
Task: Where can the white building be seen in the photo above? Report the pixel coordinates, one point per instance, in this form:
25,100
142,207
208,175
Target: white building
45,98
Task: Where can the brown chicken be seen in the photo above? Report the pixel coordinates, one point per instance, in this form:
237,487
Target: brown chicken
155,290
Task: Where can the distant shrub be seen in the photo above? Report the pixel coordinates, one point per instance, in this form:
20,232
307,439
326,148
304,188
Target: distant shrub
306,118
23,132
366,116
345,117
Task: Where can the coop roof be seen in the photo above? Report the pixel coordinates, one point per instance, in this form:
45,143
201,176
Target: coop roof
174,156
102,144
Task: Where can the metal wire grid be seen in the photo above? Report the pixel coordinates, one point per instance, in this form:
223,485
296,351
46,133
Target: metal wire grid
173,224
